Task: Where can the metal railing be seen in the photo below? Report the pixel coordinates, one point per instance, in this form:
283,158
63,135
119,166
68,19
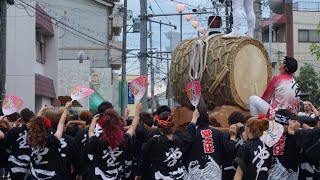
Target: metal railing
306,6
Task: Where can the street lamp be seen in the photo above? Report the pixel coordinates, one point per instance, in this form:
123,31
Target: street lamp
180,8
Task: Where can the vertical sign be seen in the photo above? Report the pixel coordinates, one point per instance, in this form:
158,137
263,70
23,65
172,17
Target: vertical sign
130,95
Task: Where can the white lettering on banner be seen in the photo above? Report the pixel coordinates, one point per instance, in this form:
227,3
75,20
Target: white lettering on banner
111,156
39,153
172,156
22,139
261,154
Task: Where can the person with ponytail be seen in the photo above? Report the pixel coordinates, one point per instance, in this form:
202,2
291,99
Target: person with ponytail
109,150
282,92
254,158
16,138
84,156
164,152
205,157
46,162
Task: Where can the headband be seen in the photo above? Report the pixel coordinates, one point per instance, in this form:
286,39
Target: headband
164,123
282,119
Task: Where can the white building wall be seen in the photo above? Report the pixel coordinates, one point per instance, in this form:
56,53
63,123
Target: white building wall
301,20
89,17
72,73
21,55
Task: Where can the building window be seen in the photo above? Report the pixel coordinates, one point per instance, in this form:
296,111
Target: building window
41,48
311,36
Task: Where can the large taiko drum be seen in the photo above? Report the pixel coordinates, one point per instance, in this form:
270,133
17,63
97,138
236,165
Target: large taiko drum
235,69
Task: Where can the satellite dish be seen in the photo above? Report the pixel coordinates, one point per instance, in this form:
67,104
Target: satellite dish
277,6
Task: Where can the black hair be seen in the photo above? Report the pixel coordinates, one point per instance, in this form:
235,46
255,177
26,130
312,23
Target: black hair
146,118
291,64
104,106
162,109
13,117
74,117
26,114
167,128
204,116
236,117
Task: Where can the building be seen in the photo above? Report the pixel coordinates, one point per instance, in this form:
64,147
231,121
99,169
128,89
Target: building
305,22
89,51
32,53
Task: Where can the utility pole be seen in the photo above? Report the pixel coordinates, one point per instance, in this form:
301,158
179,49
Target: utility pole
3,40
151,69
124,85
143,48
228,18
289,27
168,80
258,13
270,36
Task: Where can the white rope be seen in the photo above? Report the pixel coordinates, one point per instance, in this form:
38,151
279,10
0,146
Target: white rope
196,63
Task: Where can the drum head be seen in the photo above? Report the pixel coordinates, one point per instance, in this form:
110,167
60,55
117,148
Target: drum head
250,73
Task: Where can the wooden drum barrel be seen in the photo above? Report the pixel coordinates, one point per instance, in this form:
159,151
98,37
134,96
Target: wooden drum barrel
235,69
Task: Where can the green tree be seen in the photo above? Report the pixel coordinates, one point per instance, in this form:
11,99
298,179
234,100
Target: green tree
308,81
315,47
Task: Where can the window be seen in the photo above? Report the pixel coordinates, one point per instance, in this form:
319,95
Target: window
314,36
308,36
41,48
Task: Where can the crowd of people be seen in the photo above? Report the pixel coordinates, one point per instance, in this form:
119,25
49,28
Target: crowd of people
57,145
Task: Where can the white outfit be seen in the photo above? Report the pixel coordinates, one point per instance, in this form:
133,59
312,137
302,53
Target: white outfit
237,6
304,114
258,106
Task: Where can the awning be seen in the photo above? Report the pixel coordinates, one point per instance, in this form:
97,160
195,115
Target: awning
43,22
276,20
64,99
95,100
44,86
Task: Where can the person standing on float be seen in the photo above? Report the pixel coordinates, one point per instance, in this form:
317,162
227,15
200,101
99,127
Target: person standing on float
237,6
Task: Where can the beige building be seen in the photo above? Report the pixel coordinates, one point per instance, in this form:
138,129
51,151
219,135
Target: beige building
306,18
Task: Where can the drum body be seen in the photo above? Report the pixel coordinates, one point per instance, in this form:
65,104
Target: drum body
235,69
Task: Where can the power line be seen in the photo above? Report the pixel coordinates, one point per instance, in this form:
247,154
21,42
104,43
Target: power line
162,11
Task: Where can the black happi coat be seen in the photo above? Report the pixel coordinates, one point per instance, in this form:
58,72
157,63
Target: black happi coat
143,134
310,161
4,155
68,153
19,160
228,170
286,158
255,159
84,155
205,157
46,163
108,163
165,156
